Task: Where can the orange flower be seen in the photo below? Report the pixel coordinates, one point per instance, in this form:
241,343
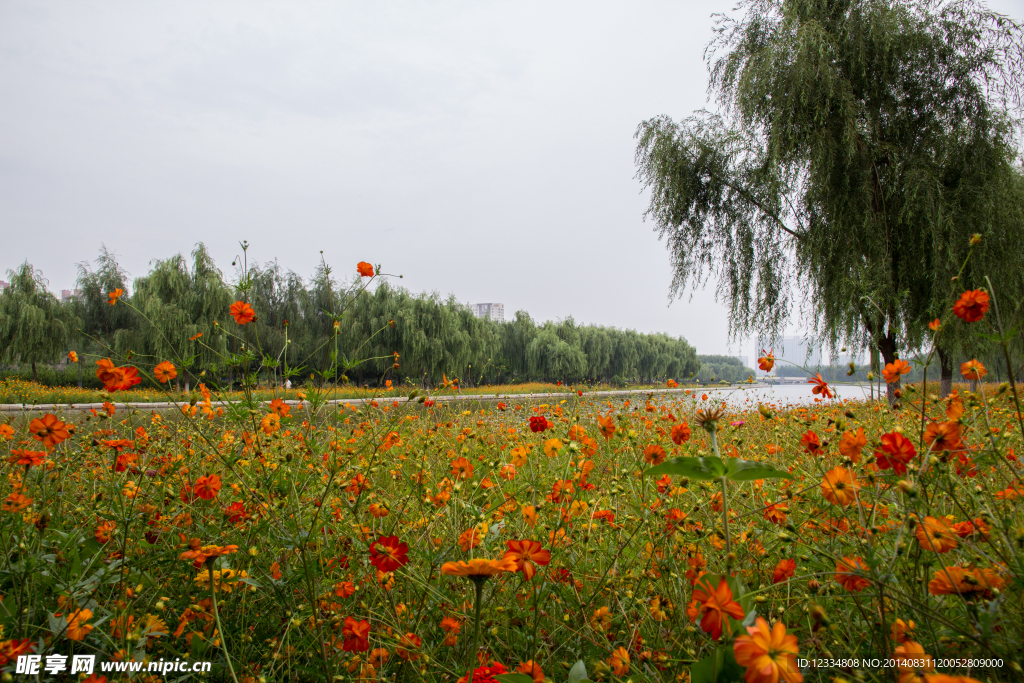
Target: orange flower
784,570
935,533
902,630
530,515
479,569
104,530
913,662
654,454
356,635
165,372
893,371
607,426
767,361
973,369
242,312
115,378
472,537
462,468
532,670
964,581
207,487
820,386
270,423
6,432
49,430
972,306
20,456
671,384
896,452
840,486
280,407
619,661
527,554
195,336
935,325
77,630
715,605
16,502
72,356
681,434
943,436
846,577
601,619
201,554
112,297
851,445
364,269
407,645
768,653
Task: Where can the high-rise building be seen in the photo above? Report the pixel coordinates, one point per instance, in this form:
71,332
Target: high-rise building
4,285
66,294
495,312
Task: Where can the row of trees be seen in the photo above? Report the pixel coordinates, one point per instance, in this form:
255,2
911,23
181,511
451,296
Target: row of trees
180,311
856,148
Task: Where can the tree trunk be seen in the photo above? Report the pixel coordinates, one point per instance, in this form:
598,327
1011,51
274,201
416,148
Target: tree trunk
946,362
35,375
887,347
875,370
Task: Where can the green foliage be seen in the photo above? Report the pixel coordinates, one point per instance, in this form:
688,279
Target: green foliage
35,327
859,145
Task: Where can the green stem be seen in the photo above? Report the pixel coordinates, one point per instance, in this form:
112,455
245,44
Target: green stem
216,617
725,503
476,627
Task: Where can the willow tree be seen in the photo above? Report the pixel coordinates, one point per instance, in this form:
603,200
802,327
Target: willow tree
849,159
35,327
101,320
179,309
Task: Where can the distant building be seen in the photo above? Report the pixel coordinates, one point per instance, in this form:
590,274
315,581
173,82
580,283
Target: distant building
4,285
495,312
743,359
66,294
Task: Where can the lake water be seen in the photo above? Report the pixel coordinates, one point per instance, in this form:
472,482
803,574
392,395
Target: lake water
781,394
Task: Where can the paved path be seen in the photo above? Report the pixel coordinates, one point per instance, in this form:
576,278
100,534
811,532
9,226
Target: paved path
41,407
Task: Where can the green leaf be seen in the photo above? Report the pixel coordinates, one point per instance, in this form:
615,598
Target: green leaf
514,678
694,468
578,672
748,470
718,667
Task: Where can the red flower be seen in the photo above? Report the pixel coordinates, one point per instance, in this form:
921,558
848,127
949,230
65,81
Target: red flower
811,443
783,570
820,386
387,553
364,269
681,434
538,423
896,451
242,312
356,635
236,512
972,306
207,487
485,674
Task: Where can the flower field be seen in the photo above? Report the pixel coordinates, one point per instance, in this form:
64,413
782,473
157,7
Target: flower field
413,541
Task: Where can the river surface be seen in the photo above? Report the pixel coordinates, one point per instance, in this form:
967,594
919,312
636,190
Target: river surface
781,394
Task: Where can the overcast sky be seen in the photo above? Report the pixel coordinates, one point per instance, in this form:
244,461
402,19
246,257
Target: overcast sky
481,149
